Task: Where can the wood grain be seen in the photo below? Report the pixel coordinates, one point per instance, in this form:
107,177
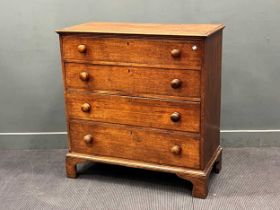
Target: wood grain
203,30
135,143
130,50
134,111
149,166
71,166
200,181
144,96
134,81
211,97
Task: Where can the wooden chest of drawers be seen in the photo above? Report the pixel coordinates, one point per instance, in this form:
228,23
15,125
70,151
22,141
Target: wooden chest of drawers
144,96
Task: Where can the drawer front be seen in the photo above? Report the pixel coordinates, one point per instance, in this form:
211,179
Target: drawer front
133,80
175,115
148,52
142,144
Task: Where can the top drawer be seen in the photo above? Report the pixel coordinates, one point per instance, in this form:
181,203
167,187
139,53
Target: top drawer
145,52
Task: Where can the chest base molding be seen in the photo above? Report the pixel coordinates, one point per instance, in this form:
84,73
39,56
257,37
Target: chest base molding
198,178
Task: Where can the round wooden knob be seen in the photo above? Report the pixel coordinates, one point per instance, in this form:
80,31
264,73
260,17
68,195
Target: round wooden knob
176,83
175,117
88,139
176,150
85,107
84,76
82,48
175,53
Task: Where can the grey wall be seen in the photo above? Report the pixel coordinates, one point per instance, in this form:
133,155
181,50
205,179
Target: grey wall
30,80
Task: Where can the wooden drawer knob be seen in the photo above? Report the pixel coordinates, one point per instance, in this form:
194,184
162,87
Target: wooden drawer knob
85,107
176,83
176,150
82,48
175,117
88,139
176,53
84,76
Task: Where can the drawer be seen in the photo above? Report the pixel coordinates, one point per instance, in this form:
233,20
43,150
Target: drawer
147,52
134,143
133,80
147,112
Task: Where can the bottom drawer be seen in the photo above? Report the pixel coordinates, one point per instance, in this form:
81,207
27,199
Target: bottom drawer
135,143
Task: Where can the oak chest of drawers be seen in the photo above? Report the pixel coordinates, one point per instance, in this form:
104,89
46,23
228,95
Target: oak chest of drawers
144,96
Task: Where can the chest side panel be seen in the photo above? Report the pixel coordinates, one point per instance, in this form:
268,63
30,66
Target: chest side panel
211,97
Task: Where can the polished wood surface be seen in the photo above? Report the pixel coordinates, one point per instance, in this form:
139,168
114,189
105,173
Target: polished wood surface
131,50
88,139
199,178
84,76
137,81
144,96
86,107
82,48
196,30
176,150
135,143
211,97
176,53
176,83
175,115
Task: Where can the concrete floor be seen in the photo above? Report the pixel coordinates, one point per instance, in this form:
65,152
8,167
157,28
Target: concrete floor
35,179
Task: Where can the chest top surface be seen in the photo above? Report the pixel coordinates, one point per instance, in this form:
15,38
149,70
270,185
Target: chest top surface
197,30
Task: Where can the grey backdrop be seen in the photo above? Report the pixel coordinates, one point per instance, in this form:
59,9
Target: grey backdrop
31,84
